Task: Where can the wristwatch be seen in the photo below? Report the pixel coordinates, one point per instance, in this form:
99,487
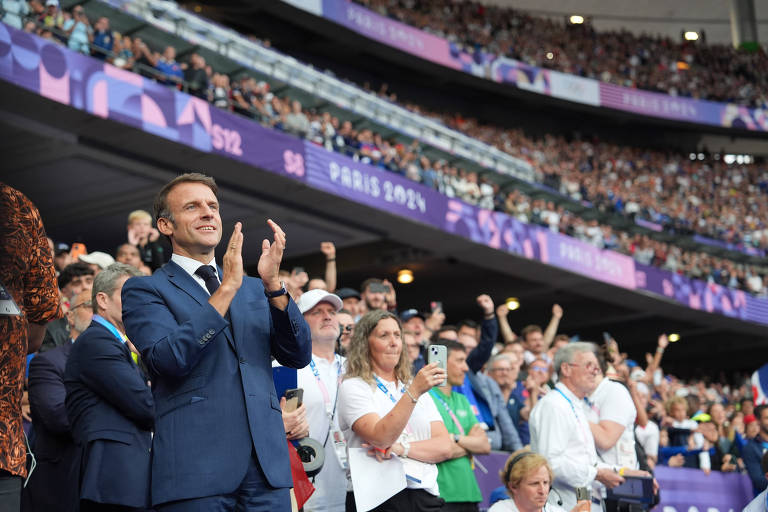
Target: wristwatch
277,293
406,448
455,437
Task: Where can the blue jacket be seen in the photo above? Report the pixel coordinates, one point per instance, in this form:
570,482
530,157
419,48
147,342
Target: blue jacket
752,453
53,483
212,381
111,410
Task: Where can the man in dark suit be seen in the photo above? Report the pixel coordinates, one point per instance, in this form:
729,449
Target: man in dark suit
206,334
53,483
109,405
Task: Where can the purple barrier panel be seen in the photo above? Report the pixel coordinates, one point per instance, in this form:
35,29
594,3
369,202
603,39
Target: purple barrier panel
585,259
103,90
390,32
493,462
249,142
695,293
683,488
368,185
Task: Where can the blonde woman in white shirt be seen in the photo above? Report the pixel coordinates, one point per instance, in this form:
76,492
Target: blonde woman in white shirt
382,409
528,479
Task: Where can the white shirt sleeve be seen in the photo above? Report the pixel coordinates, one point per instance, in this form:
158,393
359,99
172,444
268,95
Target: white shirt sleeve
618,406
355,401
554,434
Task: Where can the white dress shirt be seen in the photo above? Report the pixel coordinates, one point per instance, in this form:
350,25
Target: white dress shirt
759,504
190,266
560,432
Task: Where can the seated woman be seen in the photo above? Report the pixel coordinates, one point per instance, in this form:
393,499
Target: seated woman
384,410
527,478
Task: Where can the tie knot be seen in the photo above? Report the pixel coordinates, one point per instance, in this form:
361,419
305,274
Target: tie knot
206,272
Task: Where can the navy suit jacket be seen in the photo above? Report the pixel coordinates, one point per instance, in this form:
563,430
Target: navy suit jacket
212,381
111,410
53,483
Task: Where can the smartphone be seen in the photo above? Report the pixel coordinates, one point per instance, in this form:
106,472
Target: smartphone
298,270
377,288
436,306
438,354
607,337
78,249
582,493
293,399
657,376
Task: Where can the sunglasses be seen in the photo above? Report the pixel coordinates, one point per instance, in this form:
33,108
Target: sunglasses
346,328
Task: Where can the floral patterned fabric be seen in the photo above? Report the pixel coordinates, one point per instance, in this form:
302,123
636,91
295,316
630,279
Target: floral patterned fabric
27,274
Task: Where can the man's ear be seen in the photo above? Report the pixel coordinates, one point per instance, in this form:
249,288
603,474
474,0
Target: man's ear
165,226
101,300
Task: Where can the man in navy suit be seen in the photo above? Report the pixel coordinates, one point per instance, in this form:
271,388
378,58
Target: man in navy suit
206,334
109,405
53,484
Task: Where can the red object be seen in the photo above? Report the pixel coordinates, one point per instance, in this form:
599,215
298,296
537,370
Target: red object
749,418
302,487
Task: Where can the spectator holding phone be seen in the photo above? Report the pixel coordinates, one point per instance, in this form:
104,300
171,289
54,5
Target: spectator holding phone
317,417
383,409
146,239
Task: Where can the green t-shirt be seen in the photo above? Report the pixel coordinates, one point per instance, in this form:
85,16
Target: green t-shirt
455,477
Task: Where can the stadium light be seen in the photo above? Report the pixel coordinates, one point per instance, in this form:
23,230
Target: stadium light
673,337
576,19
405,276
691,35
513,303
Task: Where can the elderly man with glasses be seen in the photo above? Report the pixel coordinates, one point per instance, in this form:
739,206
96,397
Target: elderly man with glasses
560,430
53,483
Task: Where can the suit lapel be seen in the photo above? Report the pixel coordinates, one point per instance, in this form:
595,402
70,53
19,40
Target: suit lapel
187,284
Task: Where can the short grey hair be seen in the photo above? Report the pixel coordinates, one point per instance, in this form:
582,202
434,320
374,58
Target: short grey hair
499,357
568,353
106,281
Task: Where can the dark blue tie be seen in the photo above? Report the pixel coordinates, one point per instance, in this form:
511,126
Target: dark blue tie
208,273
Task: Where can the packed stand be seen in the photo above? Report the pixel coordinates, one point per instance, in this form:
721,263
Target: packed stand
715,72
682,195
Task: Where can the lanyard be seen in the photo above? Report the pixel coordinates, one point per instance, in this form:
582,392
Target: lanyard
321,384
436,395
578,420
110,327
386,392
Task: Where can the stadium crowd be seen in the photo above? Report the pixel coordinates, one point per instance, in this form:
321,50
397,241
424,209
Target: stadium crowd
692,69
502,382
675,193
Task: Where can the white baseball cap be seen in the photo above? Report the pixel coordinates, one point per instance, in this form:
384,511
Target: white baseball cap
312,298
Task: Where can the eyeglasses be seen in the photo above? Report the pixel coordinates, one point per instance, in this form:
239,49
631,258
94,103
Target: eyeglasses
88,304
542,369
346,328
501,369
590,367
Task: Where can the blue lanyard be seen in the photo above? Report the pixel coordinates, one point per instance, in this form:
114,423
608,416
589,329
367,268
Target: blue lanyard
384,389
578,420
110,327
